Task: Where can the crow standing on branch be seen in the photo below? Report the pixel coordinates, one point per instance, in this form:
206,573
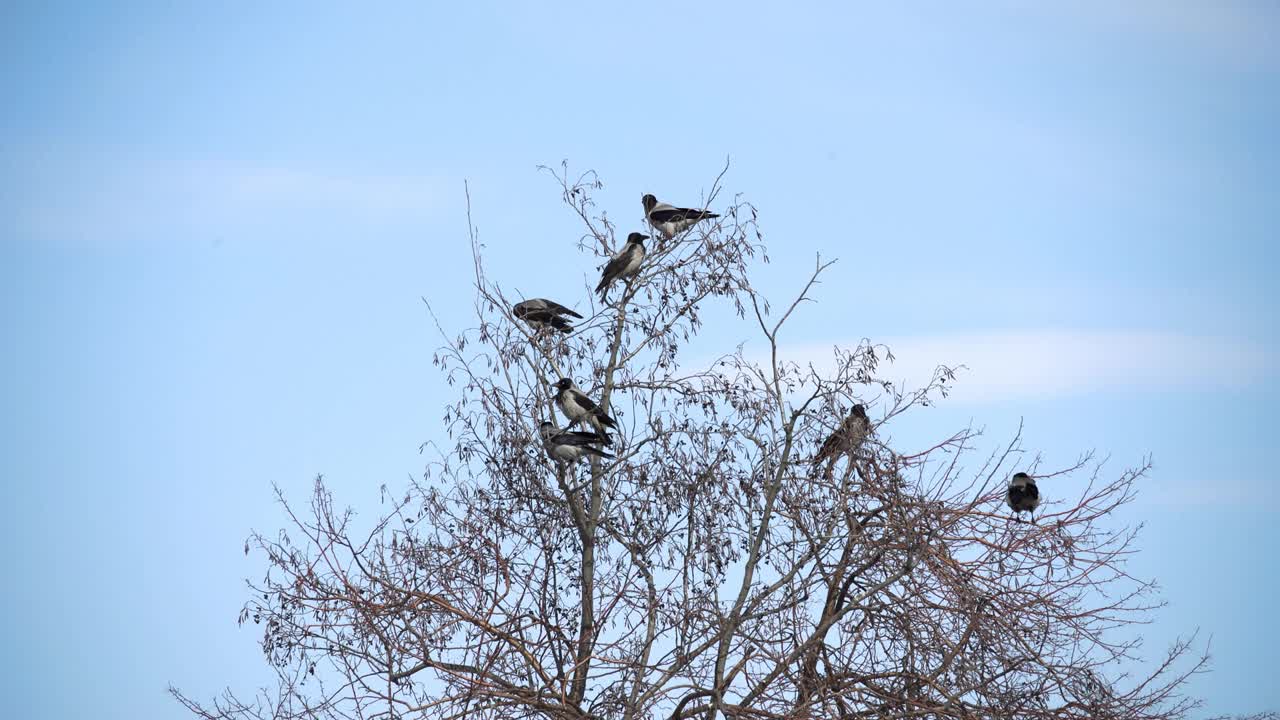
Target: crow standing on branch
570,446
541,313
1023,496
579,408
670,220
624,264
847,439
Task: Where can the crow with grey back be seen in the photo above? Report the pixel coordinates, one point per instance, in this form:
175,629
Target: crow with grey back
624,264
847,439
570,446
1023,495
541,313
579,408
670,220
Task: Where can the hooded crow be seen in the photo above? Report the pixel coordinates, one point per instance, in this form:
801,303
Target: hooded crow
624,264
669,220
579,408
848,438
541,312
1024,496
570,446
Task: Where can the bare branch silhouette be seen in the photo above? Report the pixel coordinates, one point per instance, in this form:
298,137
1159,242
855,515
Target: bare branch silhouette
713,567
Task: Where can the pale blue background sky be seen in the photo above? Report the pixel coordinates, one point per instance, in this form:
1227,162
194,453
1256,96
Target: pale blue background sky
215,226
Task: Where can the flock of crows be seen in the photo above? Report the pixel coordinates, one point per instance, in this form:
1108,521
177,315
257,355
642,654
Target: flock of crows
570,446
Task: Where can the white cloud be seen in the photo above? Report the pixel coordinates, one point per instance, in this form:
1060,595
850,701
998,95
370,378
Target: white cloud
366,194
100,195
1004,365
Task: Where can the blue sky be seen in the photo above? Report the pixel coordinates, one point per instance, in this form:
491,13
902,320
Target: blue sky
217,221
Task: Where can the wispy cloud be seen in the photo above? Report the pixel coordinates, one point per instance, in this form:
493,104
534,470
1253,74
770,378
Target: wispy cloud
101,195
1004,365
366,194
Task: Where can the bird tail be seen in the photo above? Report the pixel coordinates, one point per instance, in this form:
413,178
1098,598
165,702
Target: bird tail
599,453
561,324
824,461
607,421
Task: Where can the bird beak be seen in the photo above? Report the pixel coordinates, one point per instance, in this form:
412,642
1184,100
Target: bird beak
644,237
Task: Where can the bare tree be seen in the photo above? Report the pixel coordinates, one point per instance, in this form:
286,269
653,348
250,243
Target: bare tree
712,568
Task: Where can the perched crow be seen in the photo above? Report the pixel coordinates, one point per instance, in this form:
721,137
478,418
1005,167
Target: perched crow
579,408
847,438
541,313
671,221
1024,496
624,264
570,446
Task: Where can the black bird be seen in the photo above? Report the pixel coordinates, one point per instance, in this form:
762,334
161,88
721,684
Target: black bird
541,312
579,408
669,220
570,446
1024,496
624,264
847,438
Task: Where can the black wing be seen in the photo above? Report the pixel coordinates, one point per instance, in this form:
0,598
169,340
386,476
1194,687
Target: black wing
550,318
545,316
560,309
577,438
583,401
585,440
559,323
830,447
595,410
661,215
611,271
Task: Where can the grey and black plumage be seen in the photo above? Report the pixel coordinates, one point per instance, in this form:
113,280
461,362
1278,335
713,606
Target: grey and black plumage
1023,495
570,445
541,313
579,408
670,220
624,264
848,438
